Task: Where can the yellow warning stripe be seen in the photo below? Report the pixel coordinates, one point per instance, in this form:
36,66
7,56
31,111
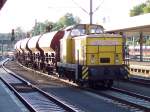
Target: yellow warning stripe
85,75
84,72
84,67
127,69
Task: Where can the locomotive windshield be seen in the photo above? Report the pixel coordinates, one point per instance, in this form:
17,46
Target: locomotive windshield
82,29
78,30
96,29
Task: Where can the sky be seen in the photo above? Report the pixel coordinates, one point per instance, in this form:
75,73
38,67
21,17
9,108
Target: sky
24,13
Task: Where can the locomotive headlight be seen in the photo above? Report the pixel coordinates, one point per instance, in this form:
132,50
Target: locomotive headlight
92,59
116,59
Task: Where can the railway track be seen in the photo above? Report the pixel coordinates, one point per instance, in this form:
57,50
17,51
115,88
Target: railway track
34,98
131,100
137,100
140,81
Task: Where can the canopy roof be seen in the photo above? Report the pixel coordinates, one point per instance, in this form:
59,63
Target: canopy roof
139,23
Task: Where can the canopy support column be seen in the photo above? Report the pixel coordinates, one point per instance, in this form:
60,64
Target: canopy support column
141,46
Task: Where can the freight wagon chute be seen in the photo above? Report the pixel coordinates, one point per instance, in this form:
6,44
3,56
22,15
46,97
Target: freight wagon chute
35,52
56,40
18,46
26,51
24,46
19,50
50,44
32,44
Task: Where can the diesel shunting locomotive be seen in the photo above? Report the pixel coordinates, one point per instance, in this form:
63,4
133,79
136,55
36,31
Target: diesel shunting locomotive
82,53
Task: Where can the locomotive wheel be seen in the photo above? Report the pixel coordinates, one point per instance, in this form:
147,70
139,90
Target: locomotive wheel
108,83
80,83
60,72
92,84
44,70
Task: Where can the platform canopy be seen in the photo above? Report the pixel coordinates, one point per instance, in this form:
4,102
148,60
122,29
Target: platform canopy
134,25
137,26
2,2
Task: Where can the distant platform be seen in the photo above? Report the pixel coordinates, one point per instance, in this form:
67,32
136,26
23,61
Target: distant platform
139,63
141,69
9,102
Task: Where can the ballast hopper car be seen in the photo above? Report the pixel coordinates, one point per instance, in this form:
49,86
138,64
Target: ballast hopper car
25,51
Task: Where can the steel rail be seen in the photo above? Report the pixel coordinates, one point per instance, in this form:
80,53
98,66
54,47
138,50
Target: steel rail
27,104
131,93
112,97
119,100
139,81
55,100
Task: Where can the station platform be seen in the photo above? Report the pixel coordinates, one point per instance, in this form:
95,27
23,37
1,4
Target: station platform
8,101
139,63
141,69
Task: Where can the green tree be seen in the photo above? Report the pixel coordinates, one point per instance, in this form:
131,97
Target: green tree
40,27
137,10
141,9
18,33
146,9
67,20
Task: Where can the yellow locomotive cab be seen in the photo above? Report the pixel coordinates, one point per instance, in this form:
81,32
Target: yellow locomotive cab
92,55
102,50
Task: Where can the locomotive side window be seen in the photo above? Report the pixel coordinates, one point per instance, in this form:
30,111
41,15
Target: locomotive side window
79,30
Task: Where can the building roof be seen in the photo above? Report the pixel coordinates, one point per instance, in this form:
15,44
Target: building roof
139,23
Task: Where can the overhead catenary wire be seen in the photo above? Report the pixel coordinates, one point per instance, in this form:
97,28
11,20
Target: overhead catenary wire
97,8
80,7
91,9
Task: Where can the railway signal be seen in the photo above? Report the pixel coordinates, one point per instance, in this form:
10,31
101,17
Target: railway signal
12,35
